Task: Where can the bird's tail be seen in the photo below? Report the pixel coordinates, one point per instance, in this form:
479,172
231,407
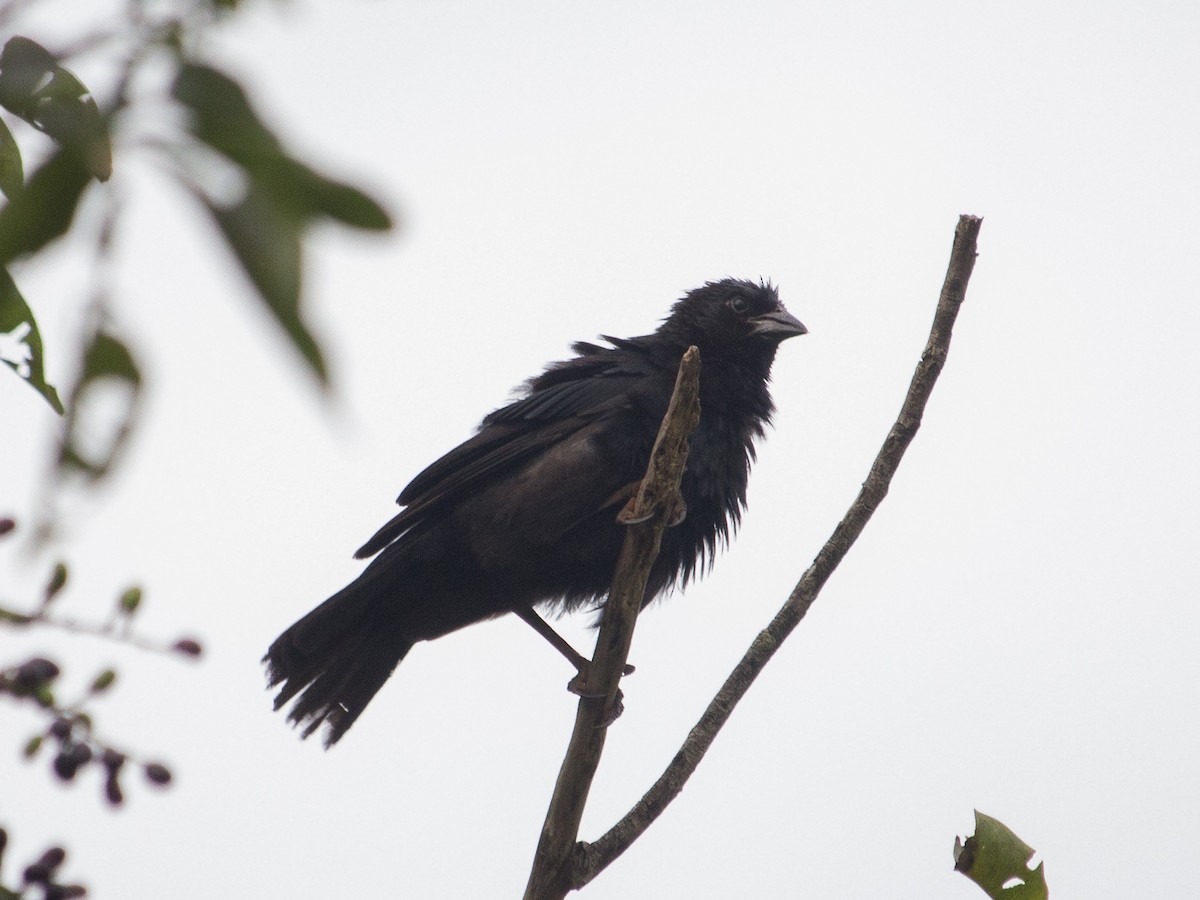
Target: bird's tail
335,659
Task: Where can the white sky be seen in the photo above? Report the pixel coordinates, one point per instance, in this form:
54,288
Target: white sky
1016,629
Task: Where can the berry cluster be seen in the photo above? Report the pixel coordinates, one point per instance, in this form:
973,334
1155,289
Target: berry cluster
43,875
71,730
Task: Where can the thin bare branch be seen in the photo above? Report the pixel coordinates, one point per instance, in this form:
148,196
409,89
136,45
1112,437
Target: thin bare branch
649,512
590,859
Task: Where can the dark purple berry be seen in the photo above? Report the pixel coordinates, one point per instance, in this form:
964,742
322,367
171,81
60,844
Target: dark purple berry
53,858
35,672
112,790
112,760
188,647
65,766
157,773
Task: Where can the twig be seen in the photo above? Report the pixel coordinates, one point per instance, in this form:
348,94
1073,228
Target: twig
650,510
590,859
106,630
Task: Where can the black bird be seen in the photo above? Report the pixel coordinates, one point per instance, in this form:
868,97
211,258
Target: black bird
523,514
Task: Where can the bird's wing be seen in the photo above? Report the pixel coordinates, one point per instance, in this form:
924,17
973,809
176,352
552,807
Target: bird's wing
562,401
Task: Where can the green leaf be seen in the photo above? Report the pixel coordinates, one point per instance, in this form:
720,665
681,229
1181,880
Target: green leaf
107,356
223,118
994,857
33,745
265,228
58,581
12,174
44,209
103,681
25,66
130,601
14,618
310,194
50,98
17,322
266,241
106,360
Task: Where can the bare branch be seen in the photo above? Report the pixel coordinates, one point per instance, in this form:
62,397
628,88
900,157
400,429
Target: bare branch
591,859
649,512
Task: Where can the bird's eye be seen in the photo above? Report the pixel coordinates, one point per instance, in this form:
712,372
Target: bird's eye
739,305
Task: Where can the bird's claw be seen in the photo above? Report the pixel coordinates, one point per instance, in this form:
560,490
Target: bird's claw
678,512
630,519
613,711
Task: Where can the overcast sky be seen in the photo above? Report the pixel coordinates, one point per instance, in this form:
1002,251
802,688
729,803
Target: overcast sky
1016,630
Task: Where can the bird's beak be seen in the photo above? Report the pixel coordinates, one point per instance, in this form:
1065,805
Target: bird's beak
779,324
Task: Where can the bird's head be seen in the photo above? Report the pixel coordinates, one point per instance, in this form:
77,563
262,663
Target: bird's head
734,319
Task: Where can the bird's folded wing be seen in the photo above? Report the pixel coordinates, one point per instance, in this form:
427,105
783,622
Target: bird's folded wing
510,437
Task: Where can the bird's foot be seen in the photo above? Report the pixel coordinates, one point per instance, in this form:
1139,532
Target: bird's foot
612,712
578,684
678,512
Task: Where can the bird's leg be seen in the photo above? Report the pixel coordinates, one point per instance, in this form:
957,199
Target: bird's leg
580,662
542,627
